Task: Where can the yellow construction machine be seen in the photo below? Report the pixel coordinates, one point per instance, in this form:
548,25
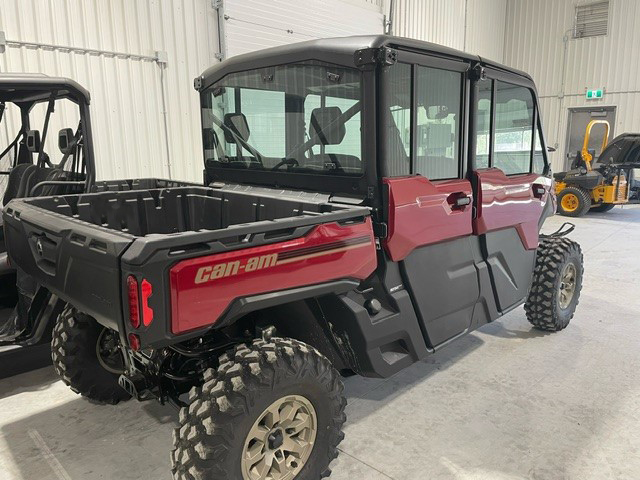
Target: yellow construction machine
604,183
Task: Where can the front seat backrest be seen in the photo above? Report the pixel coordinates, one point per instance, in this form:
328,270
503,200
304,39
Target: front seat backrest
326,127
14,181
237,123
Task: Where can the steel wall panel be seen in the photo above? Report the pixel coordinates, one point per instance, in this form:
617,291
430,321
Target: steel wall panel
536,34
254,24
127,107
486,23
476,26
437,21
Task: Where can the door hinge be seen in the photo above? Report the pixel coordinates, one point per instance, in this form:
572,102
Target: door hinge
368,56
380,229
478,72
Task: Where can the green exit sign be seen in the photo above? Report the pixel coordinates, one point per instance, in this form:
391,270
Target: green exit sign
595,94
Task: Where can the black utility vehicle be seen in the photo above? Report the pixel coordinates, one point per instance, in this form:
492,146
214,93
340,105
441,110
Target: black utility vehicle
28,102
366,201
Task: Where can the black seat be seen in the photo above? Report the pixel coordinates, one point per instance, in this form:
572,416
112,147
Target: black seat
41,174
15,180
327,128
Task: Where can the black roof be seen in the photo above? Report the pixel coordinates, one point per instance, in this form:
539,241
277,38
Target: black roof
338,50
37,87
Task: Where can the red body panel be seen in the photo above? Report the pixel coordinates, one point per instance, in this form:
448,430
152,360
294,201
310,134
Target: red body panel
422,212
203,288
510,201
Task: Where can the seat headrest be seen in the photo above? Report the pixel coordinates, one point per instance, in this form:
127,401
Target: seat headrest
33,141
236,122
325,128
66,141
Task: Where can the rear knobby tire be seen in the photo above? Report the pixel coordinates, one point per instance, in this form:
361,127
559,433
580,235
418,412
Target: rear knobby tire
215,427
579,204
75,358
603,207
546,307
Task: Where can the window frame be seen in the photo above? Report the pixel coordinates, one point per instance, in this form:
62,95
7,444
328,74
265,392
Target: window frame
536,124
415,60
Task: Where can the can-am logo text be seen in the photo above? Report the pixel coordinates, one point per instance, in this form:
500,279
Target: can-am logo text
228,269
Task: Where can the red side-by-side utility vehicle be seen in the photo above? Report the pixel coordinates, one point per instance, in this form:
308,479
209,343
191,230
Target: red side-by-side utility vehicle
366,201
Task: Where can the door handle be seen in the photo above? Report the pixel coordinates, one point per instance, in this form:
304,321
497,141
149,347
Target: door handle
538,190
463,201
458,200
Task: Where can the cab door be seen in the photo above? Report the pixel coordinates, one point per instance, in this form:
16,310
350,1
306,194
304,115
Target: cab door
512,195
429,197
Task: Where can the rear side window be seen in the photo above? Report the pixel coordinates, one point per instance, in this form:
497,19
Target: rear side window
513,137
398,124
423,126
538,156
438,123
483,124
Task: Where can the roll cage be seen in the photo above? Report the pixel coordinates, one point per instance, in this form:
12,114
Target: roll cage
26,91
373,56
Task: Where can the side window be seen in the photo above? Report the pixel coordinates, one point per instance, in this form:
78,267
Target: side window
439,112
513,128
538,154
398,128
483,137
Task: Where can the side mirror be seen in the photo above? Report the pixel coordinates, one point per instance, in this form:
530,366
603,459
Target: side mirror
237,123
33,141
551,149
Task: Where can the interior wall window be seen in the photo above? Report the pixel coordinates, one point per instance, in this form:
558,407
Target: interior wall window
483,119
265,114
513,128
439,111
398,127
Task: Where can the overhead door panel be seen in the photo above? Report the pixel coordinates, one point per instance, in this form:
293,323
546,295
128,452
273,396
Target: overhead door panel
251,25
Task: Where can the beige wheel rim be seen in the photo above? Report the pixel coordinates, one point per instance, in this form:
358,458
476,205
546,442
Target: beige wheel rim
567,285
280,442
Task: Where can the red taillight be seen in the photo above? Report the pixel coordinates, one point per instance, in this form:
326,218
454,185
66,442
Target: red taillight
134,301
147,311
134,342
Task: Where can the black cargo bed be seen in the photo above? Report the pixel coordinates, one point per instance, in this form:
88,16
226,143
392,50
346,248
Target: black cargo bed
77,245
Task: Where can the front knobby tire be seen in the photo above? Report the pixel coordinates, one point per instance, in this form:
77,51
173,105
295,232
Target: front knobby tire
272,409
74,351
574,202
556,285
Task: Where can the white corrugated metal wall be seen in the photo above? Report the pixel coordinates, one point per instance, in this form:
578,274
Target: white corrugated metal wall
476,26
534,42
132,93
127,91
254,24
127,105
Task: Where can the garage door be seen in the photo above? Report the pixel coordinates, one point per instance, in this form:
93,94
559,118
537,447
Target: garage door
250,25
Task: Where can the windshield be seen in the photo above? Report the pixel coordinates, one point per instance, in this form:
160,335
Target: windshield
297,118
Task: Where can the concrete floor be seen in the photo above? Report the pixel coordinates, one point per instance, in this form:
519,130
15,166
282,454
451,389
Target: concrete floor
507,402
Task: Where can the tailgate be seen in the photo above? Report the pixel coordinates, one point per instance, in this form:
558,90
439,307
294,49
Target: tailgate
76,260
